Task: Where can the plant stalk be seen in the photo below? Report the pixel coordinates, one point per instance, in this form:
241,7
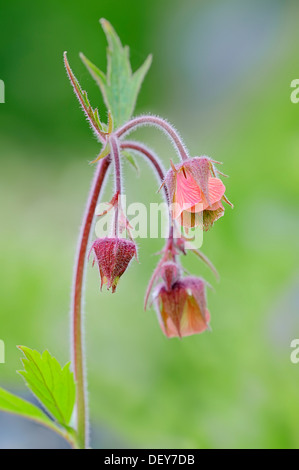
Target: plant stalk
159,123
117,172
77,308
149,154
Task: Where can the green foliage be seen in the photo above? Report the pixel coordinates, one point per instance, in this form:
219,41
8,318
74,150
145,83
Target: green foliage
53,385
120,87
10,403
129,157
91,114
15,405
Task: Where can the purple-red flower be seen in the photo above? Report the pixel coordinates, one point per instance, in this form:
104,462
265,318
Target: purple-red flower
170,273
182,309
195,191
113,256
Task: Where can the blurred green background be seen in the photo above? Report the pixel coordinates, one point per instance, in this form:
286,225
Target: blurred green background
221,74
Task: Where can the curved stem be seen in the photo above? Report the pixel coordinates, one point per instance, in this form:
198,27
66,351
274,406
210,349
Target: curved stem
169,248
161,124
140,148
77,297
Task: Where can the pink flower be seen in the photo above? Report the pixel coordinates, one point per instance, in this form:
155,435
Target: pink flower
195,191
182,310
113,256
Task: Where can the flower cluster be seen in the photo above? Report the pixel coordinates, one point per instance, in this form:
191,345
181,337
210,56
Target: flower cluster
193,190
195,195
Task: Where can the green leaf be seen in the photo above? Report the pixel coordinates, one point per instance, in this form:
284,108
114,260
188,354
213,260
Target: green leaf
104,152
53,385
120,87
106,148
10,403
91,114
129,157
13,404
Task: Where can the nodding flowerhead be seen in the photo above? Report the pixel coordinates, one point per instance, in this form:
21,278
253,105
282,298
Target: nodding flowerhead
182,310
195,192
113,256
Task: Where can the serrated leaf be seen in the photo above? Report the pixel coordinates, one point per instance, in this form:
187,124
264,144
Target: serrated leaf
53,385
91,114
120,87
129,157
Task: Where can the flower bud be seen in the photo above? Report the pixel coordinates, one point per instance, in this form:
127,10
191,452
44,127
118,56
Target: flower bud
182,310
113,256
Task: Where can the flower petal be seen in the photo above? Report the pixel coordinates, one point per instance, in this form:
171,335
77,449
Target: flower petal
187,194
190,219
200,168
210,216
170,305
216,191
193,320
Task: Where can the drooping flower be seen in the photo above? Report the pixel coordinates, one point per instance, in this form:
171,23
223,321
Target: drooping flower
195,192
182,310
113,256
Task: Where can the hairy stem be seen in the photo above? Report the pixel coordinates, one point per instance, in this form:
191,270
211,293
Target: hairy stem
149,154
77,301
161,124
117,174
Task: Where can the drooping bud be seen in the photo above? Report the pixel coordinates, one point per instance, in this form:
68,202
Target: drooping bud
170,305
182,311
113,256
169,271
